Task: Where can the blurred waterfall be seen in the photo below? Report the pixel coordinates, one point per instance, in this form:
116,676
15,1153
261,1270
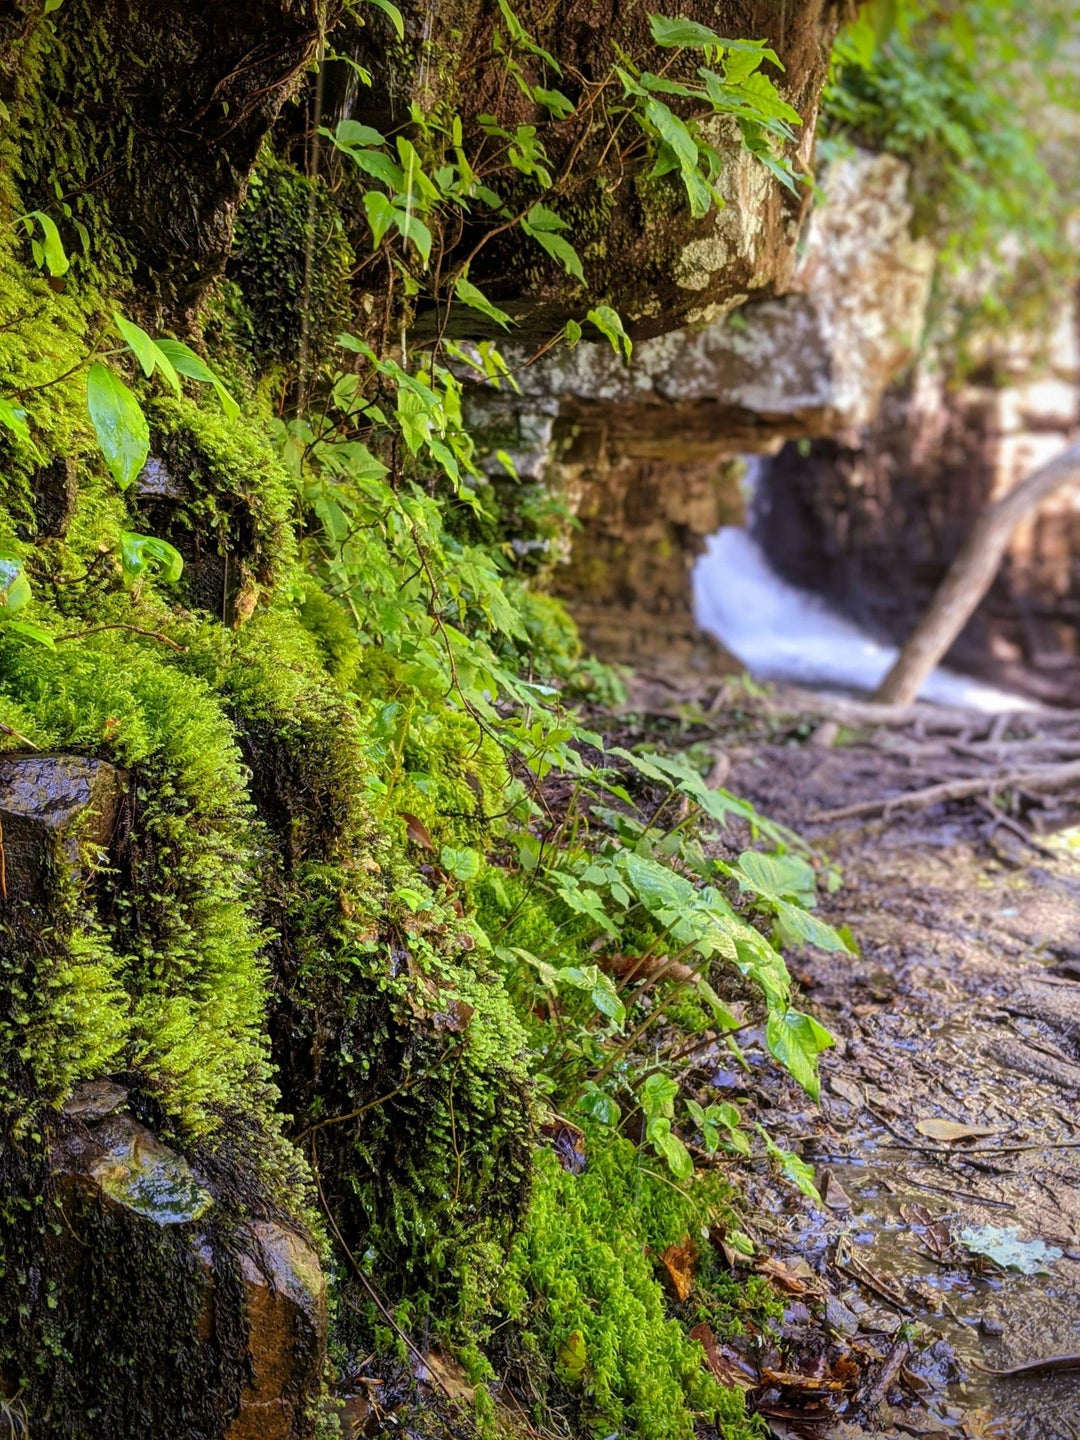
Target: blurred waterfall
780,632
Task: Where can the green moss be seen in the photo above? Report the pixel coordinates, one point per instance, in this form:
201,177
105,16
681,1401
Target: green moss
290,260
582,1285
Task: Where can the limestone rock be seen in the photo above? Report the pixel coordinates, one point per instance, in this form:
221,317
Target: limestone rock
167,1286
53,809
285,1298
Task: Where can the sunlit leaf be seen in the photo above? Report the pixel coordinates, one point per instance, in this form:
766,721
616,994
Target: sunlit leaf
119,423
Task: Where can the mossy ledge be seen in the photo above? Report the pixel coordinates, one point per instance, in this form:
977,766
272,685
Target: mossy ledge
250,1036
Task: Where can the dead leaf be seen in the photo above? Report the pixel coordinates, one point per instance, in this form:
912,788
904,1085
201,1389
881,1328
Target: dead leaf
950,1130
788,1276
789,1380
847,1090
568,1142
833,1194
679,1261
447,1375
916,1214
416,830
729,1368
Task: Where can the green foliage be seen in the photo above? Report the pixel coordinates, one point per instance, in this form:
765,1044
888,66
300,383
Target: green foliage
343,712
581,1286
950,88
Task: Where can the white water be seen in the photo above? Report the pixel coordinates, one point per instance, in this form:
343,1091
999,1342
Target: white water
782,633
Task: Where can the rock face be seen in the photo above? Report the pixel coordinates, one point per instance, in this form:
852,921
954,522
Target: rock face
641,249
645,451
54,809
167,154
177,1306
873,521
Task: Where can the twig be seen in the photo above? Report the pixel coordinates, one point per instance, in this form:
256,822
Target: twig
406,1084
117,625
10,730
1044,778
1048,1365
372,1292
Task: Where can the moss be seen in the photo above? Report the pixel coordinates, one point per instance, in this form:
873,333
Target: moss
290,264
582,1286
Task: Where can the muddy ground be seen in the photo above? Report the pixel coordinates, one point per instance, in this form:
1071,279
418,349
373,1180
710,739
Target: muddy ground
962,1009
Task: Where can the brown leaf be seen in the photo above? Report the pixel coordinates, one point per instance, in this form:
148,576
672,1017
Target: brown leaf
416,830
847,1090
833,1194
447,1375
792,1381
951,1131
786,1276
679,1261
728,1367
568,1142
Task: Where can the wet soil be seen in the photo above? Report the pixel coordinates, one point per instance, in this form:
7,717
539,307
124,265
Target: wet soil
963,1005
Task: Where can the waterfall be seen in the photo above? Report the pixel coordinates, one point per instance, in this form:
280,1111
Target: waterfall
780,632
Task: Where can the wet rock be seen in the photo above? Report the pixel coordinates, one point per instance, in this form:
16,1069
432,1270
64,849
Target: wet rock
54,489
126,1164
159,1278
156,482
93,1099
54,809
285,1300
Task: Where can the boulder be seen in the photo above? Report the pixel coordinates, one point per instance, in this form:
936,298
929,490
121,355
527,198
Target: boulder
188,1316
54,809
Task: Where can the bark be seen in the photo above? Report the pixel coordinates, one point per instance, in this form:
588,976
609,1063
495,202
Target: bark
970,577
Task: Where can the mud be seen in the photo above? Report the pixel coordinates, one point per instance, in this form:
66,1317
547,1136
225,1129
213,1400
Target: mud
953,1011
963,1005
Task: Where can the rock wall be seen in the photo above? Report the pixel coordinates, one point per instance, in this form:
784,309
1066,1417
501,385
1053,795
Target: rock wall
648,453
873,520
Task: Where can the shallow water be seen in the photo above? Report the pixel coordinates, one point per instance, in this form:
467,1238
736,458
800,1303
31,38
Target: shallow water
780,632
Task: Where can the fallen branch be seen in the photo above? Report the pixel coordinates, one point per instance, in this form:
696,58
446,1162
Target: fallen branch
1047,1366
1044,779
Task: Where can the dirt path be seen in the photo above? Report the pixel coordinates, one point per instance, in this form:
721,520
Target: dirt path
963,1007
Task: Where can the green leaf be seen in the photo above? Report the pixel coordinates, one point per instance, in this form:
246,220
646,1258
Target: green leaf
609,323
571,333
676,133
562,251
13,418
678,33
146,553
185,362
521,37
792,1166
678,1158
350,134
393,14
119,424
32,634
52,247
149,355
414,230
553,100
381,215
464,863
598,1105
469,295
14,586
796,1041
786,875
572,1360
657,1096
